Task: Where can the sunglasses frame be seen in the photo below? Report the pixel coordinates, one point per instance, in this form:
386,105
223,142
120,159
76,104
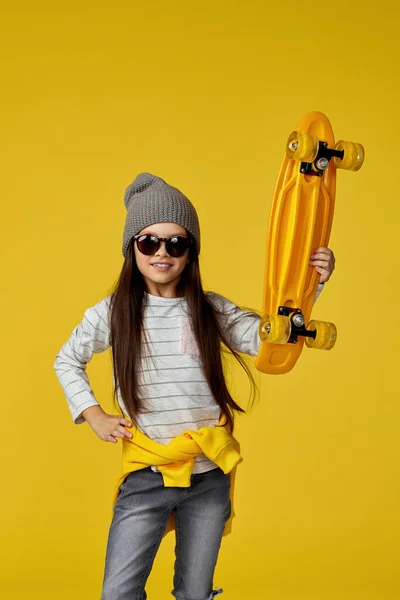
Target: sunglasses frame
160,239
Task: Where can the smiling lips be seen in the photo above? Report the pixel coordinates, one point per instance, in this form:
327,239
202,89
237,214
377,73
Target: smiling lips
161,266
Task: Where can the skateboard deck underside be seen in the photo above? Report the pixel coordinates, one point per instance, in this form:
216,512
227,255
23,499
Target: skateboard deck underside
300,221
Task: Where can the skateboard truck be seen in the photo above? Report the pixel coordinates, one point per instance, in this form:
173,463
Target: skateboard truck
298,328
321,162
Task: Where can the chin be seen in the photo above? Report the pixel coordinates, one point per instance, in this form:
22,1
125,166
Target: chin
162,277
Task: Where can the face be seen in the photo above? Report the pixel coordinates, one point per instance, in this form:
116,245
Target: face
161,272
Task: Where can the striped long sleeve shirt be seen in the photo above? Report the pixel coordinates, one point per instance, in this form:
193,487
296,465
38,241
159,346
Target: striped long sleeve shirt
175,392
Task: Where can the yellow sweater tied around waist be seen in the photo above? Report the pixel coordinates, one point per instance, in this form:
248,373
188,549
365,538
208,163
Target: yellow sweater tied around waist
175,461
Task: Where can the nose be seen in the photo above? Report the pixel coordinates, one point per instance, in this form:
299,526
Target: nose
162,251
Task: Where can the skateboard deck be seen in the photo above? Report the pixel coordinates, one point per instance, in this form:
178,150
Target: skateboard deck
300,221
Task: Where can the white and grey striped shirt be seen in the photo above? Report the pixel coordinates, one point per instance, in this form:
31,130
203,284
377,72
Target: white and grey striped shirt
176,393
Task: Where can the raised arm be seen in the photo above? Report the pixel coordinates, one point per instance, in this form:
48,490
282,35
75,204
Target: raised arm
240,326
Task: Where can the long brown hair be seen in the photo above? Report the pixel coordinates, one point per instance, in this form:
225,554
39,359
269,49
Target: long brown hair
128,301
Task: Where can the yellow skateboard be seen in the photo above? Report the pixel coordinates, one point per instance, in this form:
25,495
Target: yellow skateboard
300,221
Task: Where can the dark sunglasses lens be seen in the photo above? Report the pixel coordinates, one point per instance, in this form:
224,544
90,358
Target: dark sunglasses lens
147,244
177,246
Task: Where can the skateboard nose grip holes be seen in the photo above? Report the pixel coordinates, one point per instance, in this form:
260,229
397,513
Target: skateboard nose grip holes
275,329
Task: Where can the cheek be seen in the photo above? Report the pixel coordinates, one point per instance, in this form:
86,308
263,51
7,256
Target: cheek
141,261
181,265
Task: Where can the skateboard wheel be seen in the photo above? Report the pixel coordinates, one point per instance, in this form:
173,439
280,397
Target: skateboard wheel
353,156
275,329
302,146
326,335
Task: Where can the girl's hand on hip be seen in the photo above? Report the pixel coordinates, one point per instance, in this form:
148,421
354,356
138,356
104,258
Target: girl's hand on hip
323,260
107,427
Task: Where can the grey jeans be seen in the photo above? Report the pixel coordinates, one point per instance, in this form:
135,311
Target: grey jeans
141,513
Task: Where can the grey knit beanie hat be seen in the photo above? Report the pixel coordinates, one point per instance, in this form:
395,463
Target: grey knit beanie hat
149,199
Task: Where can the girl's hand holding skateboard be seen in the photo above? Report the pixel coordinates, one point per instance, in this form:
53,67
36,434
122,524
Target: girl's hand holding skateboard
323,260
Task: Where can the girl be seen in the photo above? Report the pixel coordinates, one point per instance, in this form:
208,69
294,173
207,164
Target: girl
166,335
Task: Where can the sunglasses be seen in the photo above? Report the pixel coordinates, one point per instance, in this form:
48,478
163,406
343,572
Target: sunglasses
176,246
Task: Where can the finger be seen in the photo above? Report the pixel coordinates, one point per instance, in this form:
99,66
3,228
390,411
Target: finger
110,438
117,433
125,432
323,250
126,423
322,256
320,263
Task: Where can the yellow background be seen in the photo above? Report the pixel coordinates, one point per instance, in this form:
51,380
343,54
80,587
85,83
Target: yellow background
203,94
